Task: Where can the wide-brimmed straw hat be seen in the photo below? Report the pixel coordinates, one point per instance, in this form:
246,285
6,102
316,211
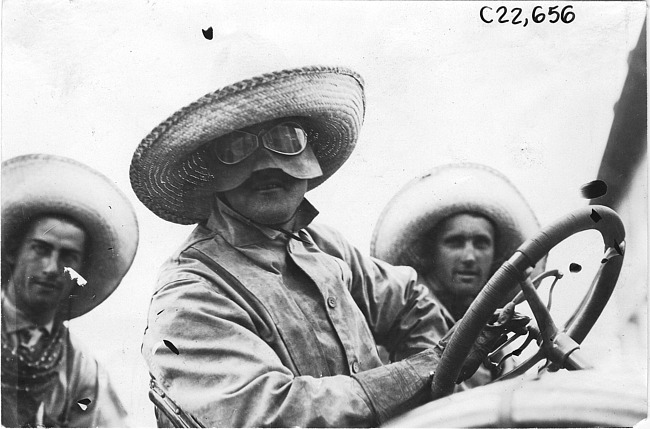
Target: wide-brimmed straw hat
400,234
169,173
39,184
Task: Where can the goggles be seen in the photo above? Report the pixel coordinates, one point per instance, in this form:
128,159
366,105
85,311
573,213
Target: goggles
286,138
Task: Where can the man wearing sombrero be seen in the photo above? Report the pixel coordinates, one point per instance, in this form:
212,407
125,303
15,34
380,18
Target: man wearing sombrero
68,237
262,318
455,225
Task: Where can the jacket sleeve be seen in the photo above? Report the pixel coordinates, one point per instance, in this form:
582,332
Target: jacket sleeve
400,311
209,356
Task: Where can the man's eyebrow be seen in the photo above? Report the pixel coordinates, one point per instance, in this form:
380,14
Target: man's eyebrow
483,237
70,250
466,234
478,236
39,241
47,244
454,235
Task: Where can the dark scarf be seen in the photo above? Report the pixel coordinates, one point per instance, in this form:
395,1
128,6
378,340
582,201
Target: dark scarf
28,375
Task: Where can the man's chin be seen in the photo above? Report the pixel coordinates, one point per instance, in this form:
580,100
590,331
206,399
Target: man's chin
272,218
467,287
41,306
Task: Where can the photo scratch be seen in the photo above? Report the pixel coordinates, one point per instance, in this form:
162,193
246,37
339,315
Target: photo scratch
48,230
75,276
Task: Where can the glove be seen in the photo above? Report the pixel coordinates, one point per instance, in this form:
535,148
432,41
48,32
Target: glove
494,334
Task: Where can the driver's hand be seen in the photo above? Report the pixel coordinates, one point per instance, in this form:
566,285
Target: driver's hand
492,336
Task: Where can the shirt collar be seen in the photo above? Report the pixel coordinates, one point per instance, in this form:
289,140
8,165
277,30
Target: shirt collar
240,231
16,319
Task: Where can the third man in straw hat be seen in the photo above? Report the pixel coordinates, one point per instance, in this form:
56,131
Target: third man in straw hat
64,251
455,225
262,318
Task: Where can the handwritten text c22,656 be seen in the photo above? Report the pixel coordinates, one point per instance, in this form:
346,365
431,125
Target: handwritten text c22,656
536,15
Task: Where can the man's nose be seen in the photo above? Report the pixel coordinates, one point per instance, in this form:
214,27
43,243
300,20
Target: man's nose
51,265
264,159
469,253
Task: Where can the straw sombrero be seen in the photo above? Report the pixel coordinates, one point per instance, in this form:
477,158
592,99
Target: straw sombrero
169,173
451,189
39,184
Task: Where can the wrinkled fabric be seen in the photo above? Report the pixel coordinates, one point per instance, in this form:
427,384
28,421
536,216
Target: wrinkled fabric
248,327
78,377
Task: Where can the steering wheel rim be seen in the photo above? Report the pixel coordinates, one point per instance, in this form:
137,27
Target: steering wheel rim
508,276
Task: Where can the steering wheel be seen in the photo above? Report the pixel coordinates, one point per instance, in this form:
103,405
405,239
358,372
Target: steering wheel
559,347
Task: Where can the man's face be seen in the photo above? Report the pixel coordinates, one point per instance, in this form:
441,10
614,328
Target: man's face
271,192
269,196
463,252
38,283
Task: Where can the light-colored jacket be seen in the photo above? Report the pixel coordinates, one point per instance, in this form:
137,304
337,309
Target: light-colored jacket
248,327
79,394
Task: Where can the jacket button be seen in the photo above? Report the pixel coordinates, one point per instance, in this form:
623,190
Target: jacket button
355,366
331,301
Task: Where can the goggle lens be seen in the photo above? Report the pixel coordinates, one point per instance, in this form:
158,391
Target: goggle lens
287,138
236,147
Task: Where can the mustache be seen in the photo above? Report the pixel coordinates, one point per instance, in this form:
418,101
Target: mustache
55,280
269,176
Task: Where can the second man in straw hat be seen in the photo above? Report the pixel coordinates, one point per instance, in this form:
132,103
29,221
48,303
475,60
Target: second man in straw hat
455,225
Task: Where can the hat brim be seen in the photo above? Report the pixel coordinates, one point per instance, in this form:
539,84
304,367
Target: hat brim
421,204
39,184
169,173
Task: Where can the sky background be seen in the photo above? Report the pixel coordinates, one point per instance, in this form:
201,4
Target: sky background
89,80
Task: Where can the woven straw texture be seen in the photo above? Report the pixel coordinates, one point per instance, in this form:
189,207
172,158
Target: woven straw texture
169,173
444,191
38,184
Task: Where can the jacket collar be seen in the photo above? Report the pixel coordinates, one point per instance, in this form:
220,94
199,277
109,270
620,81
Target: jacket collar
240,231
